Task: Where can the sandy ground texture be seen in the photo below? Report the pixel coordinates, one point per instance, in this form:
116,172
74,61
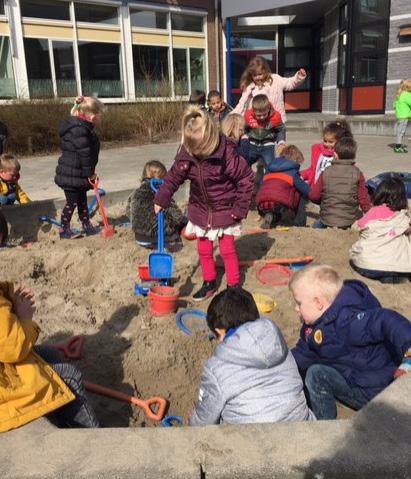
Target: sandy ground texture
86,286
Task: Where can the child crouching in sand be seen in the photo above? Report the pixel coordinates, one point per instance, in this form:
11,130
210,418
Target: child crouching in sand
144,221
350,348
29,386
10,190
220,194
252,376
383,251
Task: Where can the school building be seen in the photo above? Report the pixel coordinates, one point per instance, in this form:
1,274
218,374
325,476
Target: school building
355,52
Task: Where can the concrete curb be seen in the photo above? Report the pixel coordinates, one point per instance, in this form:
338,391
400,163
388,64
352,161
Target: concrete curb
376,443
24,219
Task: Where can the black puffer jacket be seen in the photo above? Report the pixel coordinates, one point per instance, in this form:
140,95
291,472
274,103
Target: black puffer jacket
144,222
78,161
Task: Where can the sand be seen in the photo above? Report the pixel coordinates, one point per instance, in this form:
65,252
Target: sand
86,286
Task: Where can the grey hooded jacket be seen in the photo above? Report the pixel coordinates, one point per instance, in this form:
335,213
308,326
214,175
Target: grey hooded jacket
252,377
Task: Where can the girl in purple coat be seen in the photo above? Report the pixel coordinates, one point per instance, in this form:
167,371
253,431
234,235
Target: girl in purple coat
220,194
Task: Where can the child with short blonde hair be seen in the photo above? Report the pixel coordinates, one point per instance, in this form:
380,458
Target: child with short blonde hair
80,149
10,190
402,106
350,348
141,212
220,194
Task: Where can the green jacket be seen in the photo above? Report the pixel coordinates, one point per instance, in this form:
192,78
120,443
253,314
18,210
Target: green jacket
402,106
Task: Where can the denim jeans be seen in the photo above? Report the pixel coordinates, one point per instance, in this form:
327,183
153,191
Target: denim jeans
77,413
401,129
264,153
319,225
388,277
325,385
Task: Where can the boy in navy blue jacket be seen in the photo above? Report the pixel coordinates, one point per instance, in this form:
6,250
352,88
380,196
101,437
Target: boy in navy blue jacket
350,348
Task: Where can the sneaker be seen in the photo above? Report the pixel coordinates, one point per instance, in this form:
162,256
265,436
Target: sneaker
206,291
400,149
90,230
268,219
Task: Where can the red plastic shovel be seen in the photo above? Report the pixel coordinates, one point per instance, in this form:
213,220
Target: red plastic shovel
108,230
145,405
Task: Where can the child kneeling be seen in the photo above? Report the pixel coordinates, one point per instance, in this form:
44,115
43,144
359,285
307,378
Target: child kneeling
350,348
252,376
144,221
29,386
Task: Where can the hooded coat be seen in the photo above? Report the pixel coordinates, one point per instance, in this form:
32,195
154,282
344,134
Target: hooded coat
29,387
144,221
221,186
251,378
382,245
80,149
364,342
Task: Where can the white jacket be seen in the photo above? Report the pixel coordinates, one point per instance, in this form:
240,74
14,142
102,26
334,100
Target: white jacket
383,246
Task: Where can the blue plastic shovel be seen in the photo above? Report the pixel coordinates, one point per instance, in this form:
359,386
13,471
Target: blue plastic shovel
160,264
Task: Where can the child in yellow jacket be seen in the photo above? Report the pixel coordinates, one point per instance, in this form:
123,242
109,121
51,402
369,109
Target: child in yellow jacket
29,386
10,190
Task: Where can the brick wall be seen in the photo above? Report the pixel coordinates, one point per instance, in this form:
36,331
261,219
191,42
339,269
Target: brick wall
399,61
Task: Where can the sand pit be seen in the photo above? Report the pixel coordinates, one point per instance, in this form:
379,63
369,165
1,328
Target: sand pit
85,286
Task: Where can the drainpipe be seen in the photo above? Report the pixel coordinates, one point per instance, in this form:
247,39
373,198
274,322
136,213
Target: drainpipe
217,42
228,61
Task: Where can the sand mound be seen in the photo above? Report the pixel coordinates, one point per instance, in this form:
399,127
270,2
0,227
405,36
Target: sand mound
85,286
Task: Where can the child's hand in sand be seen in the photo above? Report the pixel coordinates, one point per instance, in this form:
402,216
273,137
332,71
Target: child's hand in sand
24,305
157,209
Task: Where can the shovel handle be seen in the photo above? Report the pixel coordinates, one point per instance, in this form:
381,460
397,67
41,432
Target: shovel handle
145,405
301,259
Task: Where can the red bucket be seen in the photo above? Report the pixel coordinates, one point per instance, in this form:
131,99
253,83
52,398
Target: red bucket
163,300
144,273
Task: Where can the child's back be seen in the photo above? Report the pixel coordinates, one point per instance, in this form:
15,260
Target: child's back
252,377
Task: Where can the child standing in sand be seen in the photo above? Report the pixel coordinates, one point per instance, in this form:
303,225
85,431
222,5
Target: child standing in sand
220,194
81,147
402,106
350,348
33,380
144,221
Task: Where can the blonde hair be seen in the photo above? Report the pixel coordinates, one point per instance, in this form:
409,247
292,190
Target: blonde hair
256,64
153,169
405,85
87,106
318,279
200,135
233,126
291,152
9,162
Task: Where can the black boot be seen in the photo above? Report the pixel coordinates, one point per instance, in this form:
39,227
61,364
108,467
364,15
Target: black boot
206,291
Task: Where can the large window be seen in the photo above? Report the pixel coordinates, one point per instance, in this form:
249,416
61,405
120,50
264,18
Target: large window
190,23
180,71
94,13
38,68
7,86
64,69
253,40
148,19
100,69
297,53
197,69
48,9
370,39
151,71
1,7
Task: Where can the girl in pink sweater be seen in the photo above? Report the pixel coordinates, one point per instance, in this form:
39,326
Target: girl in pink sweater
257,79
